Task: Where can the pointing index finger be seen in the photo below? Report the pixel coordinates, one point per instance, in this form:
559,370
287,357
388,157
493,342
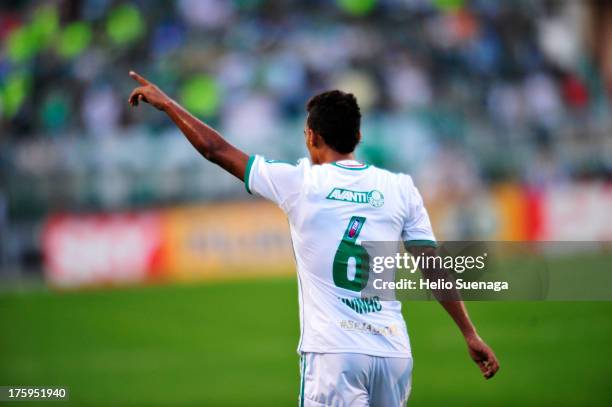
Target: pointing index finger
138,78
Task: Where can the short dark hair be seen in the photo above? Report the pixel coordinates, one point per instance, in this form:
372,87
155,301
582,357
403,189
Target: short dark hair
335,116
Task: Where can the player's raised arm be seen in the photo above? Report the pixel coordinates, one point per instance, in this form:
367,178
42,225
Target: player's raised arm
204,138
479,351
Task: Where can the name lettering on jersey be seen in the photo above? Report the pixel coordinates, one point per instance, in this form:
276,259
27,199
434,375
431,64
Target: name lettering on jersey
363,305
373,197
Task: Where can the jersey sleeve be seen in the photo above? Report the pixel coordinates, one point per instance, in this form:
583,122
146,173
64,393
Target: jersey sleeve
277,181
417,230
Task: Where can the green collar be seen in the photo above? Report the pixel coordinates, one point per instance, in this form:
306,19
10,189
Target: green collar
353,167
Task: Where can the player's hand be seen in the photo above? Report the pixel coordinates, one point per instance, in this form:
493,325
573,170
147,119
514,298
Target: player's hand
483,355
148,93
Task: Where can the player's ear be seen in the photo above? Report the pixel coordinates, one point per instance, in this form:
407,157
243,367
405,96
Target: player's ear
311,138
359,137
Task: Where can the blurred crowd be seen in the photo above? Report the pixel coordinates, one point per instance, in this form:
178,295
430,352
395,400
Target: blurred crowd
457,92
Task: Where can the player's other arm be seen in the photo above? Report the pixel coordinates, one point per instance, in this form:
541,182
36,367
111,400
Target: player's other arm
479,351
203,138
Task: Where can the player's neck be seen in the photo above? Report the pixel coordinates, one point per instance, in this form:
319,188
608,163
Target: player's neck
331,156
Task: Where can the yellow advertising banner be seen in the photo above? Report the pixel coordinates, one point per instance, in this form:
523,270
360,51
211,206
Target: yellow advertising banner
223,240
511,207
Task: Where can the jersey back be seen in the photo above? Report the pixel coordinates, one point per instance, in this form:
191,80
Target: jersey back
332,208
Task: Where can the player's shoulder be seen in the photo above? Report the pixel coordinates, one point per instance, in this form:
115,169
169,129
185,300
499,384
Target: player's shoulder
282,166
265,160
401,178
262,169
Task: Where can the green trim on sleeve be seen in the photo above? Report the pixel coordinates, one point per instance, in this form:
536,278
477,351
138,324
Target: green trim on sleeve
247,173
420,243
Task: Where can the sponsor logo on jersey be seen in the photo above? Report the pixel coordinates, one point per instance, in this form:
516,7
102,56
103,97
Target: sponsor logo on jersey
362,305
354,228
373,197
349,325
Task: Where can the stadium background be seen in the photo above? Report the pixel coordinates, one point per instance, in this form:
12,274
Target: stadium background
133,271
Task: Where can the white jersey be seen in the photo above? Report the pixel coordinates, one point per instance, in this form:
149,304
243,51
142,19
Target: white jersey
331,209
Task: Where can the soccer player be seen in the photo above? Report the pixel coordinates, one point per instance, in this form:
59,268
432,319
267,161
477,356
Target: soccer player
349,356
